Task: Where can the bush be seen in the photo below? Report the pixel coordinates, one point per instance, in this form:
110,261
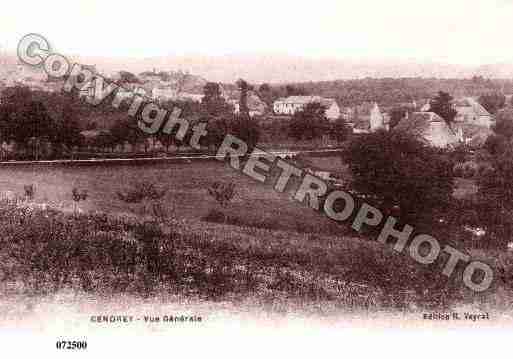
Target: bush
223,193
468,169
149,198
215,216
459,170
398,169
140,191
29,191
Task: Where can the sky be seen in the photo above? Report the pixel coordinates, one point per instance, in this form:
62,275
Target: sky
466,32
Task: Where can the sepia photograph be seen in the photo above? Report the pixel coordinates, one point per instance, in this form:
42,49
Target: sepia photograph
246,179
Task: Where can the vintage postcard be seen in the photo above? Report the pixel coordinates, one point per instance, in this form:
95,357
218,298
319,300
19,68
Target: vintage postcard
234,178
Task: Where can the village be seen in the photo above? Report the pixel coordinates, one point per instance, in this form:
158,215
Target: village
267,107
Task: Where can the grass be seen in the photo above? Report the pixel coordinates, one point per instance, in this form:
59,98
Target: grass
267,247
187,194
44,251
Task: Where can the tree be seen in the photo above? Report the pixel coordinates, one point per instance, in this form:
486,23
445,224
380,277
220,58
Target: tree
217,129
442,106
126,130
396,115
213,103
494,203
292,90
67,130
166,139
244,88
104,140
504,124
492,102
497,186
399,170
339,130
266,93
495,144
310,123
128,77
246,130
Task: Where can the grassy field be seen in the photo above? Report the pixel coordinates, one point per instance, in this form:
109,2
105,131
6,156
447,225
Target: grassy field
187,196
278,251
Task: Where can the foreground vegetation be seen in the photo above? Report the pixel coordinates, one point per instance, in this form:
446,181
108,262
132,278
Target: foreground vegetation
44,250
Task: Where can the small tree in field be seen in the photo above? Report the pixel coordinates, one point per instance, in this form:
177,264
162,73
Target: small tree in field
400,170
29,192
78,196
143,192
223,193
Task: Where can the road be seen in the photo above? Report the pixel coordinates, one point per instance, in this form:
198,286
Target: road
277,153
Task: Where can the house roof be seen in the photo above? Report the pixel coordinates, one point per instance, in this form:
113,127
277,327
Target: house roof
418,122
464,105
472,104
328,102
428,127
361,115
301,100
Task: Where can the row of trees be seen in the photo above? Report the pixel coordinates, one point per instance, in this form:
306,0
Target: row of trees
26,120
311,123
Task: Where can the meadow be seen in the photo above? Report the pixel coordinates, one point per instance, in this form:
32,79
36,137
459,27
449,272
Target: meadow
268,249
187,198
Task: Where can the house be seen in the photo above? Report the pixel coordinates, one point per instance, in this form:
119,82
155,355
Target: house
163,93
292,104
88,91
256,106
472,120
332,109
430,128
195,97
472,112
367,118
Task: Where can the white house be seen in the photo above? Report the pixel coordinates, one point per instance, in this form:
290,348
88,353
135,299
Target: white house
377,119
472,122
163,93
470,111
430,128
292,104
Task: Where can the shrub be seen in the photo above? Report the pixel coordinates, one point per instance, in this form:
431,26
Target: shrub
215,216
223,193
29,191
78,196
459,170
141,192
469,169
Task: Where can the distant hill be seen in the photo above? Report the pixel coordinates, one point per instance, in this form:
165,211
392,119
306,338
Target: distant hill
350,82
281,69
275,68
